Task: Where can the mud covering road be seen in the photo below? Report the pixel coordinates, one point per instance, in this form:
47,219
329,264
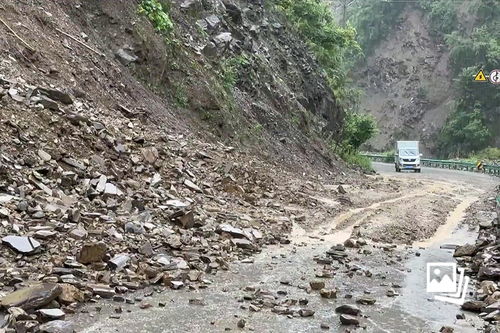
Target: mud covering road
266,293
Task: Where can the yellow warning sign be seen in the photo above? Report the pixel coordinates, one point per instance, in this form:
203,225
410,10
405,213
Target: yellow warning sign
480,77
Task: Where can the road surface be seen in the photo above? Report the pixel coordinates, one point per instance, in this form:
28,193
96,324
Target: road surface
434,201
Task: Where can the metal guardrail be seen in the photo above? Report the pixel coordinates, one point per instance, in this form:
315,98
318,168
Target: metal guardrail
444,164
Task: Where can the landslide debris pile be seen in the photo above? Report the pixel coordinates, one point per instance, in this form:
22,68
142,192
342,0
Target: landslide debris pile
108,182
96,206
481,261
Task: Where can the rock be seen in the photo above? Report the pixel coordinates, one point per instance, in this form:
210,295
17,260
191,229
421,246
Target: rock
342,189
51,313
474,306
44,155
492,307
213,22
124,57
57,326
488,273
306,312
241,323
192,186
317,284
186,220
465,250
55,95
70,294
31,297
102,290
119,261
223,39
348,309
150,154
134,228
229,229
446,329
112,190
493,316
22,244
324,326
350,242
391,293
242,243
348,320
45,234
92,252
366,300
78,233
328,293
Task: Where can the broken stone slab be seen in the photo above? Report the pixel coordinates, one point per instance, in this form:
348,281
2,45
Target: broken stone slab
192,186
70,294
55,95
465,250
92,252
348,309
112,190
45,234
346,319
233,231
119,261
44,155
57,326
51,313
134,228
22,244
101,184
102,290
473,306
31,297
187,220
176,203
242,243
74,163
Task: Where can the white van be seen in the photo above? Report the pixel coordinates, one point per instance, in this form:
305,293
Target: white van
407,156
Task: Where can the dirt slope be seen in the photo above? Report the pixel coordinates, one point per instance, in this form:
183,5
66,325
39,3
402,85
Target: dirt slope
407,84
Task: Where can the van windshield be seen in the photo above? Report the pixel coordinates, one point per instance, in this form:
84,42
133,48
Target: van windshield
408,152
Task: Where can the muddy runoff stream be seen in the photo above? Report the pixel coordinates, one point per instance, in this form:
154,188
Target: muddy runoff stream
394,275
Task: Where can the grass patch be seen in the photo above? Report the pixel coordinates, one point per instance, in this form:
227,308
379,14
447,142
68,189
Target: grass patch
356,159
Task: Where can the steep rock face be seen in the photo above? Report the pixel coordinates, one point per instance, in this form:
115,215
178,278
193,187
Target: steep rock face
407,84
232,64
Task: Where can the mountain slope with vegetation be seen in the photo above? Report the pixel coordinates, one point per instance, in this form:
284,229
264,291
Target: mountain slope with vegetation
417,74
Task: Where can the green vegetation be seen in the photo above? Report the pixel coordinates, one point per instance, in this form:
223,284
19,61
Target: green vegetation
230,70
336,50
357,159
358,128
334,46
442,15
474,122
374,20
157,13
487,155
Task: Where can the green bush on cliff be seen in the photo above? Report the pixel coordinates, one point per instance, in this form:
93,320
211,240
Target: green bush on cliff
157,14
332,45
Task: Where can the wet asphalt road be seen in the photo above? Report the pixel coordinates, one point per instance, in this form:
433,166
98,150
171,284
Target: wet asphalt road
413,311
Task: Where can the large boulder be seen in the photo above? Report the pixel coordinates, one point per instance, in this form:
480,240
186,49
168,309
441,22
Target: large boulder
31,297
